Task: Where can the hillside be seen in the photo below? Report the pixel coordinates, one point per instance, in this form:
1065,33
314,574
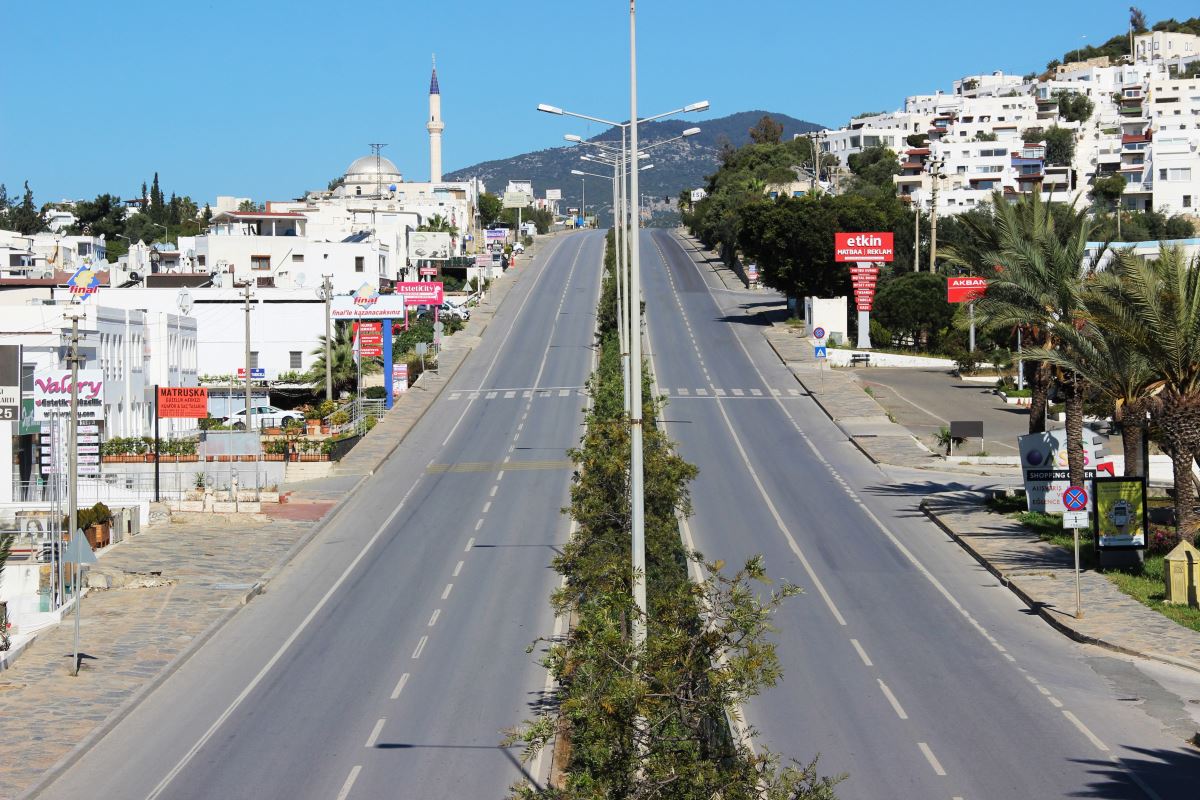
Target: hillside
677,166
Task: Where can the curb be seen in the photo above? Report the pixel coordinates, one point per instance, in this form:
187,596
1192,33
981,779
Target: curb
126,708
1040,608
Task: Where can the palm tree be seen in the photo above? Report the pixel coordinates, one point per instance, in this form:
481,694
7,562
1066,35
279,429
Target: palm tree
1099,354
437,224
345,372
1154,304
1039,287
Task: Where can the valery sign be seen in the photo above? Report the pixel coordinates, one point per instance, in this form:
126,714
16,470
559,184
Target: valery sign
52,394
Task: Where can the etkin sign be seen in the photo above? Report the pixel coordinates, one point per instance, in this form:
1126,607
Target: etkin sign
367,303
863,246
423,293
965,289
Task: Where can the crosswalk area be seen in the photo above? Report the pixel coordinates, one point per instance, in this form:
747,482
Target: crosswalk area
748,394
514,394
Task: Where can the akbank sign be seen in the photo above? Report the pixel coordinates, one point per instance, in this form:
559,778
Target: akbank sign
1044,466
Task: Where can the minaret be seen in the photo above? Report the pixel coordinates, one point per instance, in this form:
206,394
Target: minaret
435,127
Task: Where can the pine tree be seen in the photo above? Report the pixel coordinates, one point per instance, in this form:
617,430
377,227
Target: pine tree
25,217
157,210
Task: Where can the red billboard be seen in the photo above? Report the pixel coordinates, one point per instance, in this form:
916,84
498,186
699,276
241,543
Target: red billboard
876,246
965,289
421,293
182,402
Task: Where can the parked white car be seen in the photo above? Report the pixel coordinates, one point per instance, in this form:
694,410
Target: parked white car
518,247
263,417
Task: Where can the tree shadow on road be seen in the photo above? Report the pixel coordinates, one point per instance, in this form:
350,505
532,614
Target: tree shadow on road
1168,773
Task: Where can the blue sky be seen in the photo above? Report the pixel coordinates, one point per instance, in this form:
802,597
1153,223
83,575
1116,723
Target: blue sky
268,99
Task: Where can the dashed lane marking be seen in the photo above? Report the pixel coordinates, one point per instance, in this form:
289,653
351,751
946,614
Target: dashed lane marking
420,647
891,698
400,686
378,729
349,784
931,758
446,591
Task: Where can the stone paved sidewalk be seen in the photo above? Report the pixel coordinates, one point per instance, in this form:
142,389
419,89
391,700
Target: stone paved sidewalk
130,636
1043,576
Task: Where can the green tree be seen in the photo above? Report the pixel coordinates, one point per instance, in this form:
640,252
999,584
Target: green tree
766,131
1108,190
490,207
1044,260
345,371
156,210
1154,306
873,169
1073,106
24,217
914,306
436,223
1060,146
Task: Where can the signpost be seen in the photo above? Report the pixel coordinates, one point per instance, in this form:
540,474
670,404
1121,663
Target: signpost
79,552
10,381
966,289
820,352
866,250
1044,467
175,402
256,373
1075,501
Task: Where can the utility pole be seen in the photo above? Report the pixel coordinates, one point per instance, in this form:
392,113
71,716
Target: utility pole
249,419
933,215
73,360
916,236
636,467
327,293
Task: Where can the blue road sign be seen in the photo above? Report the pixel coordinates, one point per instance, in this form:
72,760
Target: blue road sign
820,352
1075,498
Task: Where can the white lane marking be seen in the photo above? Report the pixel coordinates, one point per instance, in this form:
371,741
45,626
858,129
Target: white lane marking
738,393
467,549
520,427
861,653
683,392
378,729
1054,701
486,507
437,612
490,396
702,392
526,394
458,567
478,524
455,395
283,648
446,591
509,395
931,758
1085,730
493,492
400,686
500,475
420,647
508,458
756,392
564,392
892,699
349,784
719,392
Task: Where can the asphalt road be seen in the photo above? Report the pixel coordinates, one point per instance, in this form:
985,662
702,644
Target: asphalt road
390,657
907,665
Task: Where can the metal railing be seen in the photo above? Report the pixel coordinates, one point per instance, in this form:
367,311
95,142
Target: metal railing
357,411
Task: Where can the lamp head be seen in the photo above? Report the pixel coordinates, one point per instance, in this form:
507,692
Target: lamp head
549,109
577,172
690,132
646,167
701,106
570,137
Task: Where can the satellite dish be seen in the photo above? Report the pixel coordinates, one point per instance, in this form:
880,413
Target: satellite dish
184,301
300,278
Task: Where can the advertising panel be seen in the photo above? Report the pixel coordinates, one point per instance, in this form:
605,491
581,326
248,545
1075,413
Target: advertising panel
554,194
426,293
517,199
366,303
399,379
182,402
1044,466
965,289
10,381
84,283
863,246
52,394
496,234
1120,520
423,246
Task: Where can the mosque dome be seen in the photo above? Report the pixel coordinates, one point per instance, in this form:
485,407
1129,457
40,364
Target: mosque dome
373,167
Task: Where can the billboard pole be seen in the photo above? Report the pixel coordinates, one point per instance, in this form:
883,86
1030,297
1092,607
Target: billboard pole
156,450
73,480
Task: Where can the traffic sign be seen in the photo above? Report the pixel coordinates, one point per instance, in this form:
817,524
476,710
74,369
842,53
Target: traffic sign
78,549
1075,498
820,351
818,332
1076,520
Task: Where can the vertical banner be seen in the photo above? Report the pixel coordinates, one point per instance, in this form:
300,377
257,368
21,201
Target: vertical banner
10,382
399,379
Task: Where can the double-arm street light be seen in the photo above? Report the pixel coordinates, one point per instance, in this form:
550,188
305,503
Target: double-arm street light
637,470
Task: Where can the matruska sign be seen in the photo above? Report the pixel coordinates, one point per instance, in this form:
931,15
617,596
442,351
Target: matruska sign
182,402
876,246
423,293
965,289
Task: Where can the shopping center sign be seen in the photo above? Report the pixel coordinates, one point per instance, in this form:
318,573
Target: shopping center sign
367,303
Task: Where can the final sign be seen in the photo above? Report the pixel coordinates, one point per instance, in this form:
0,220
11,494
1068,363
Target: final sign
965,289
863,246
182,402
367,303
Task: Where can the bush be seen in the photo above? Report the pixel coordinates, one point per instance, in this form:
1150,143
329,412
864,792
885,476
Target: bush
1162,540
966,362
375,393
880,336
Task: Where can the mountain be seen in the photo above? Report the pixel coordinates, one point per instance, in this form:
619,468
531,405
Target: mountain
679,165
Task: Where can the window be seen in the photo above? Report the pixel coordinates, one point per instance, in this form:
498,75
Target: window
253,359
382,265
297,258
1179,174
295,358
358,263
1187,201
1162,174
200,260
260,262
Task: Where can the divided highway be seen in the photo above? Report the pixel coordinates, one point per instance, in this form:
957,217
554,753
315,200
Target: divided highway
389,658
906,664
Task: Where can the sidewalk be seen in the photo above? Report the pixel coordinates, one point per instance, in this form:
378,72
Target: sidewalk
174,586
1043,576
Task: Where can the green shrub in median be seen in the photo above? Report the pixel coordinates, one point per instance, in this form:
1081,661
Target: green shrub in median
653,723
